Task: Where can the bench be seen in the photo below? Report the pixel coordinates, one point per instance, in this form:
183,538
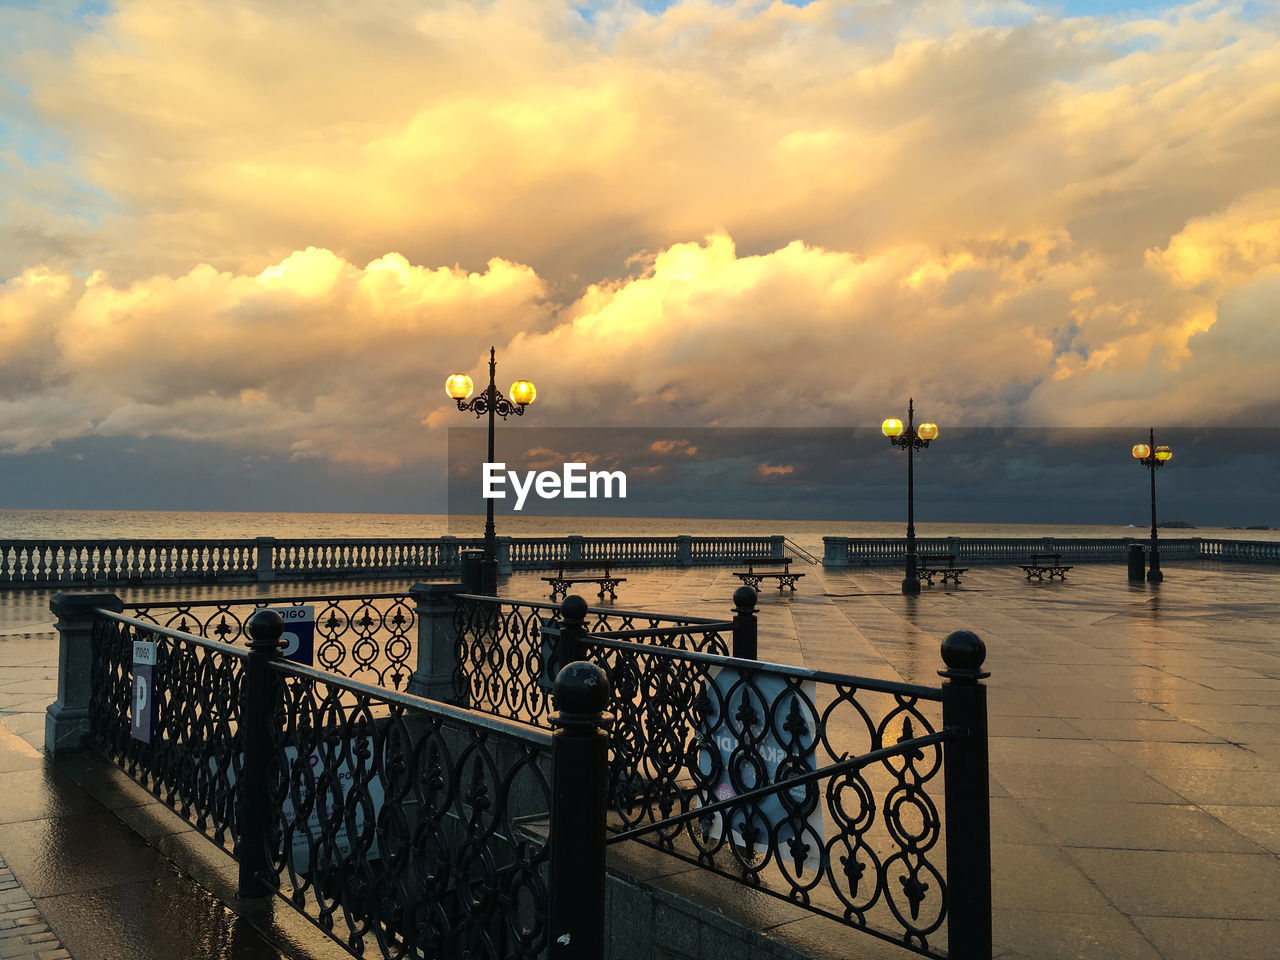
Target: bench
930,565
1041,563
565,578
752,577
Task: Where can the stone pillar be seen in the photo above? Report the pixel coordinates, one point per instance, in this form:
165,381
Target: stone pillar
684,550
264,567
835,551
437,640
449,552
504,556
575,547
67,720
777,547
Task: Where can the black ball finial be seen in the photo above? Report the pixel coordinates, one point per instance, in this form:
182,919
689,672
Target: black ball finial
581,691
265,627
745,598
574,609
964,653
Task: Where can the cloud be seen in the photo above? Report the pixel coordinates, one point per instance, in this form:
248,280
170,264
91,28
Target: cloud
312,355
723,214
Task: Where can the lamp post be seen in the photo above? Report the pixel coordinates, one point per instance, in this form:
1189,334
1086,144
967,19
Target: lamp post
1153,457
492,403
912,438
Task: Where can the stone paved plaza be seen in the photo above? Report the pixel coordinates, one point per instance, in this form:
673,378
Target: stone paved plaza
1135,751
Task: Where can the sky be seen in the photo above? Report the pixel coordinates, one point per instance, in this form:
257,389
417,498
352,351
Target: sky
243,242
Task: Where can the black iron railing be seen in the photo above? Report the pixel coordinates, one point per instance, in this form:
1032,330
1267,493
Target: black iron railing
859,841
399,826
859,799
507,650
360,636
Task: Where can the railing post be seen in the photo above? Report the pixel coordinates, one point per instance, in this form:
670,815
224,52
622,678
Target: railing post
66,721
575,547
684,550
573,615
835,551
504,556
968,810
579,797
777,547
449,552
745,628
437,640
257,878
264,562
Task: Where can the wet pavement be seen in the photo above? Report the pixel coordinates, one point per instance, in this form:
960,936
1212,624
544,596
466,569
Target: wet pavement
1135,762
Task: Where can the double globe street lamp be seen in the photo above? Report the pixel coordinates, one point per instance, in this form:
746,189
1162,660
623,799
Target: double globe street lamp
912,438
491,402
1153,457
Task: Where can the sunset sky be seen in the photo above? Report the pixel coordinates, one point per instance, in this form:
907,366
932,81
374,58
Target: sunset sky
242,243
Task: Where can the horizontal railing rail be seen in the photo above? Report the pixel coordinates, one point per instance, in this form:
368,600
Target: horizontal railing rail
87,562
851,551
98,562
58,563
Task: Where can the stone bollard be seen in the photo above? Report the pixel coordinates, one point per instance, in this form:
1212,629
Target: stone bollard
66,721
745,627
433,677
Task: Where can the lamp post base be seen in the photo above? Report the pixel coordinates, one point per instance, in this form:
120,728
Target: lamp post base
1154,575
910,582
489,576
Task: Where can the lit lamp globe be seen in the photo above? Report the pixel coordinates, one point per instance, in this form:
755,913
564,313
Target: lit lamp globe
927,431
522,393
892,427
1164,454
1141,451
459,386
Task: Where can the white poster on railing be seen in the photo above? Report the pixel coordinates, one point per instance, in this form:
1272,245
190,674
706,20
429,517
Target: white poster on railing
744,721
313,828
305,835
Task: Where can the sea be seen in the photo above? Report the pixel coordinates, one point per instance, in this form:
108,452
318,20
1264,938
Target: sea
163,524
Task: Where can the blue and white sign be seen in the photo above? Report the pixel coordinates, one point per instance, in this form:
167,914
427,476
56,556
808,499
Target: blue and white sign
299,633
740,743
142,713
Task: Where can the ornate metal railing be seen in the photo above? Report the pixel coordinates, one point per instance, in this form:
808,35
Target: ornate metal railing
193,768
505,660
859,841
400,827
367,637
